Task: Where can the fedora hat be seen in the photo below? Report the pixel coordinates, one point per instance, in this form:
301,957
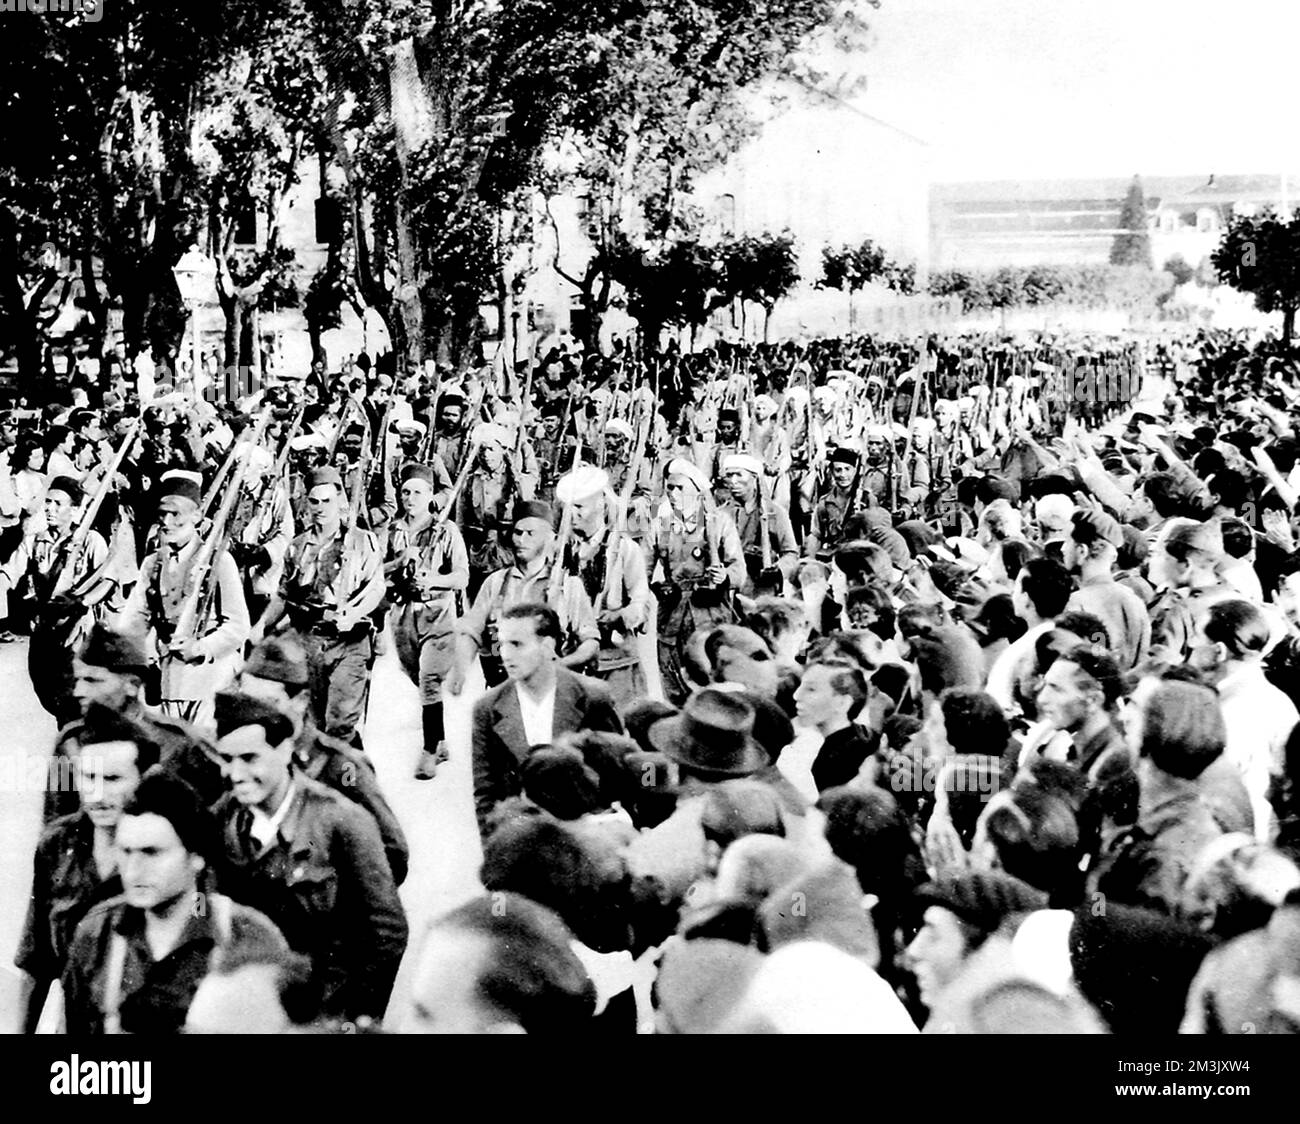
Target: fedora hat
712,736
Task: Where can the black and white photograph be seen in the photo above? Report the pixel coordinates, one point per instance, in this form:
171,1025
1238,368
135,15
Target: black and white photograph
589,518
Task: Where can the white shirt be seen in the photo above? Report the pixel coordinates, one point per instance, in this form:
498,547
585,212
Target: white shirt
1002,675
1259,720
538,716
264,828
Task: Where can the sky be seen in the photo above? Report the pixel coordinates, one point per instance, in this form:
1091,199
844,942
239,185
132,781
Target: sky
1020,89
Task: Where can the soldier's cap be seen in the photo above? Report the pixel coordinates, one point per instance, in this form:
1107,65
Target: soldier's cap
68,486
280,659
414,471
742,462
1096,526
409,427
321,477
586,480
307,441
533,509
235,710
844,455
451,398
765,400
618,425
178,482
114,650
825,393
878,432
728,414
680,466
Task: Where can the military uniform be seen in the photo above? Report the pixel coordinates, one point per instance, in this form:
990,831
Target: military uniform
679,556
512,586
259,532
66,885
322,575
156,604
483,511
423,619
148,996
339,767
324,881
827,530
621,657
59,622
782,547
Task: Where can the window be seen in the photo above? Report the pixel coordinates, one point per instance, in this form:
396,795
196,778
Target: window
1207,222
726,212
329,224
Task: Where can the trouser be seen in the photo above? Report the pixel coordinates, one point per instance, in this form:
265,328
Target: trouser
49,663
339,669
425,639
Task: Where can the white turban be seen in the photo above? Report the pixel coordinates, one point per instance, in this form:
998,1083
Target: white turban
586,480
682,467
618,425
742,462
489,433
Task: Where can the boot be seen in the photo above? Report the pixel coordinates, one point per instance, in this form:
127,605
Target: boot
427,767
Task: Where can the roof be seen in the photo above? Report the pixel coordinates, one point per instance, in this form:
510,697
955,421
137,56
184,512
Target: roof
1171,190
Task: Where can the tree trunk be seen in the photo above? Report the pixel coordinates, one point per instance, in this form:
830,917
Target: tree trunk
767,321
20,325
744,326
1288,324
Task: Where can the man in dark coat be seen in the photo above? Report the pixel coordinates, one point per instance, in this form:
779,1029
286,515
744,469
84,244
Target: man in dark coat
539,701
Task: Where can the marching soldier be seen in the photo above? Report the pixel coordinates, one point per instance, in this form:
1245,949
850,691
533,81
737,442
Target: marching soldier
753,513
770,443
277,673
617,585
834,507
728,442
451,430
619,441
427,569
695,564
551,445
410,434
333,581
172,591
530,576
57,561
261,529
484,505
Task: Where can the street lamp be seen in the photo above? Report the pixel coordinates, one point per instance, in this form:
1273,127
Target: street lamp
195,274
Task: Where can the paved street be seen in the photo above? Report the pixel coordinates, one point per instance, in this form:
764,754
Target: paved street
437,815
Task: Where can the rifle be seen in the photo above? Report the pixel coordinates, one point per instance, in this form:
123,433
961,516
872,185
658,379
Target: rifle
197,605
426,444
215,487
613,548
89,513
555,581
360,486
